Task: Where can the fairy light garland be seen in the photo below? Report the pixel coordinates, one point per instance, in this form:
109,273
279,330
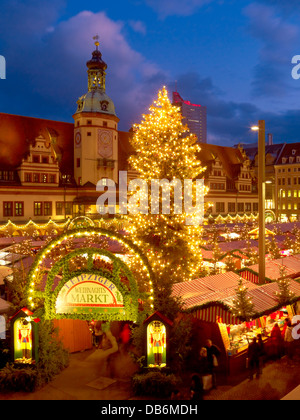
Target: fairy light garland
32,292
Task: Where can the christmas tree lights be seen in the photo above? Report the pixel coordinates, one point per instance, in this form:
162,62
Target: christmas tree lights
163,150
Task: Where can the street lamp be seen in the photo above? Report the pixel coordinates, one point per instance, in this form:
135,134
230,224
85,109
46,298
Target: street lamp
261,198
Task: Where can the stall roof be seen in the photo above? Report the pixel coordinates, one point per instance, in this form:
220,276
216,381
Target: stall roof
221,289
273,267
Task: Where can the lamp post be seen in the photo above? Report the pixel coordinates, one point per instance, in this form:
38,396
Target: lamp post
261,199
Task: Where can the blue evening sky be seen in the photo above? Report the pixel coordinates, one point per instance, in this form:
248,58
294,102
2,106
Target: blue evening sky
233,56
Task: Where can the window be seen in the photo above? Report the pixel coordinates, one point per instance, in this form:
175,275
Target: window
78,162
36,178
220,207
44,178
45,159
89,122
19,208
231,207
47,208
240,207
35,159
59,208
255,206
38,208
28,177
247,207
89,134
8,209
68,207
52,179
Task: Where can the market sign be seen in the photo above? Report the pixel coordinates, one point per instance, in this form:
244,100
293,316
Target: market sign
89,294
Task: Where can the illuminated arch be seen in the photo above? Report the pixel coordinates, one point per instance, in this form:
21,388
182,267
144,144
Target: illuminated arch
33,293
81,222
270,215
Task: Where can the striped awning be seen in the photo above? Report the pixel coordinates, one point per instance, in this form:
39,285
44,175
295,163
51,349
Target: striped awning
210,298
216,314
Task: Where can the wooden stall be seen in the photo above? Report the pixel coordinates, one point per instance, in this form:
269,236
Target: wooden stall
74,334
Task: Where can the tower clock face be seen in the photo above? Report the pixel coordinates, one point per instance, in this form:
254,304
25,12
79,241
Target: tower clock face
78,139
105,143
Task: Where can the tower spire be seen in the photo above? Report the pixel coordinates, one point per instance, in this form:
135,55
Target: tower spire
96,68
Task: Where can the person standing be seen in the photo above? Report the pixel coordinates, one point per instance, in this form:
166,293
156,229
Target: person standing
262,353
289,342
276,342
253,357
213,352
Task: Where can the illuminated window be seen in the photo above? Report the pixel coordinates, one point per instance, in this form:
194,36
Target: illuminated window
59,208
47,208
36,178
38,208
8,209
19,208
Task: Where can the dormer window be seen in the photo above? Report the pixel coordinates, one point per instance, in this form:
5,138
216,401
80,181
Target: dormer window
293,152
291,159
283,160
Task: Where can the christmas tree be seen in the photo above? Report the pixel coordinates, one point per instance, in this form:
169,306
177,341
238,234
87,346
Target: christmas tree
163,150
242,304
284,295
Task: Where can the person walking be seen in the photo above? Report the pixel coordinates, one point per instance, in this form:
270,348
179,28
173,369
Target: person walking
253,357
213,352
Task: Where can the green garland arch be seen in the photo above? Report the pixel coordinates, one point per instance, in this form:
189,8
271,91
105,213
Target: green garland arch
130,297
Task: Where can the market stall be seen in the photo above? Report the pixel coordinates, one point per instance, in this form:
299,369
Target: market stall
210,300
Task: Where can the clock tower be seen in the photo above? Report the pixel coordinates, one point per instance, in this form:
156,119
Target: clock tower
95,128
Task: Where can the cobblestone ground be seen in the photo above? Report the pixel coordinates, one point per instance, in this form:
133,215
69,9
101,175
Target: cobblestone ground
86,379
277,380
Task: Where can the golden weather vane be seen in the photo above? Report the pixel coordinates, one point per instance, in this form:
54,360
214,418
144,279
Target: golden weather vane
96,39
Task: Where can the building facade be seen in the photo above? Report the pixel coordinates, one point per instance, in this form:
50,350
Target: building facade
50,169
195,117
55,170
287,183
231,181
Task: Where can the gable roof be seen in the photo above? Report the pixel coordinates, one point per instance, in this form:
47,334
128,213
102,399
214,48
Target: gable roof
17,132
230,158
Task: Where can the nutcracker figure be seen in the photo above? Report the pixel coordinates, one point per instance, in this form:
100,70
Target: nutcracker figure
25,338
157,341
